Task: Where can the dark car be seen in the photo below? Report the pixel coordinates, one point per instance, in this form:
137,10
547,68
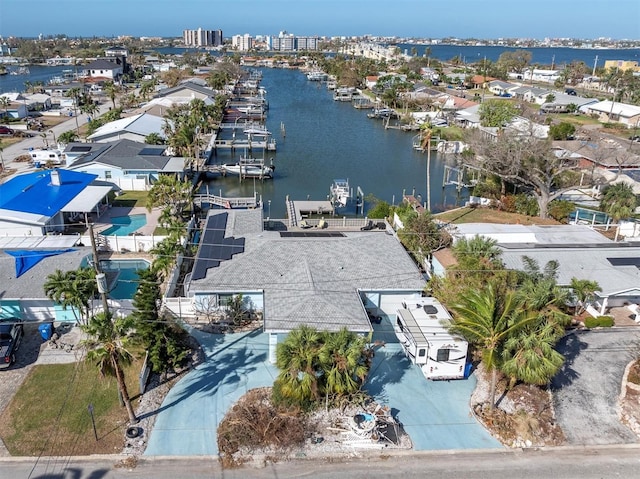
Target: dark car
5,130
11,332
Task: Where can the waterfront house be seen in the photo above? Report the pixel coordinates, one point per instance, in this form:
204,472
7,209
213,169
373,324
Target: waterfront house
135,128
185,92
324,279
104,69
42,202
128,164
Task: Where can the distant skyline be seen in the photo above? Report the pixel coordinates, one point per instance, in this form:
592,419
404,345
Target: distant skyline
490,19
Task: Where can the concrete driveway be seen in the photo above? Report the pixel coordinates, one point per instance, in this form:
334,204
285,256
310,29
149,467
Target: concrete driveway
435,414
188,419
586,390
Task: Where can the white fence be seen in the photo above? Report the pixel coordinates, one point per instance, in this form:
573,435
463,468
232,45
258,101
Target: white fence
136,243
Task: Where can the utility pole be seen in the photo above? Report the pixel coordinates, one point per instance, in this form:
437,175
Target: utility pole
100,276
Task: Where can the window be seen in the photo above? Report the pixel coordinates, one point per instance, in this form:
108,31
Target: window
422,353
443,355
107,174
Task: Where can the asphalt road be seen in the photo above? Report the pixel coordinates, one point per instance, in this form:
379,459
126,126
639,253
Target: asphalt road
557,463
587,388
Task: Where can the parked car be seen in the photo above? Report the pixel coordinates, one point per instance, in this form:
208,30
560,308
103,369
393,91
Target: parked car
11,333
5,130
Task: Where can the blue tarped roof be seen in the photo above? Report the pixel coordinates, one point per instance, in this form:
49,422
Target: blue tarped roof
27,259
34,193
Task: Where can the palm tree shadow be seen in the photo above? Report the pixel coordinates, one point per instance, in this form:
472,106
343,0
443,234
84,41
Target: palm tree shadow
570,346
388,368
223,367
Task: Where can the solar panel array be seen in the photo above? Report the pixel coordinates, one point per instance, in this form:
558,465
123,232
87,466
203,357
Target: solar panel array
625,262
214,247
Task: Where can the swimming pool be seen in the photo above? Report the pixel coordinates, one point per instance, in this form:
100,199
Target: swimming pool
125,225
125,273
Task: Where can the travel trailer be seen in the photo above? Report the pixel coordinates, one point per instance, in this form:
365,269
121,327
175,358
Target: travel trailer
43,157
421,328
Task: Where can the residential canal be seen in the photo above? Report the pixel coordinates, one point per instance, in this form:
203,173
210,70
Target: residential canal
326,140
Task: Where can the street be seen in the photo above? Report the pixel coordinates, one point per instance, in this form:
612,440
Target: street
559,463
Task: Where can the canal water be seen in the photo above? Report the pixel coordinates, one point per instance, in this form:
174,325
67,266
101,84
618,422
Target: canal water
323,140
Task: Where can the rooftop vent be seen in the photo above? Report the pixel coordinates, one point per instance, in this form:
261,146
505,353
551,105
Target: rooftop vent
55,178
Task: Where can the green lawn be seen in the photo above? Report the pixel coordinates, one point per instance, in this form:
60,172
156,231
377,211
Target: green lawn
131,199
49,414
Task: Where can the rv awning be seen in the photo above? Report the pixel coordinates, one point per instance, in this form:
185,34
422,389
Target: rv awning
88,199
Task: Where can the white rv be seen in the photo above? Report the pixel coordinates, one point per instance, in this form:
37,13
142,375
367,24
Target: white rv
421,329
44,156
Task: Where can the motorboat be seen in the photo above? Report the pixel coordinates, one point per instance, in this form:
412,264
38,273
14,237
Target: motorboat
249,168
340,193
317,76
381,113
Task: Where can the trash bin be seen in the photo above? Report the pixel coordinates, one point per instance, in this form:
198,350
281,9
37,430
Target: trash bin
46,331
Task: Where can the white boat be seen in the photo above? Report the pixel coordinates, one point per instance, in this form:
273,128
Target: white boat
381,113
317,76
421,328
249,168
340,193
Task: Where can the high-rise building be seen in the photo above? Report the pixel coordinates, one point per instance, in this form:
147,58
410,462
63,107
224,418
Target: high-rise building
202,38
287,42
242,43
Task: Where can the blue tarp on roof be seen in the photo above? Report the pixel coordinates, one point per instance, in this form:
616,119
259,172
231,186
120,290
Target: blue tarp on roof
27,259
34,193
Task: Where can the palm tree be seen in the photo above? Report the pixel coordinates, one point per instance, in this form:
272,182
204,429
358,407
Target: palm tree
343,359
297,357
4,102
154,139
67,137
106,345
530,356
111,89
72,289
584,291
487,318
169,191
75,93
618,201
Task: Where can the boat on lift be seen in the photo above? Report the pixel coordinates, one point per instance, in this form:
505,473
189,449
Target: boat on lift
249,168
340,193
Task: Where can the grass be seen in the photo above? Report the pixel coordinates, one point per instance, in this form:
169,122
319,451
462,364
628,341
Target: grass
489,215
49,414
131,199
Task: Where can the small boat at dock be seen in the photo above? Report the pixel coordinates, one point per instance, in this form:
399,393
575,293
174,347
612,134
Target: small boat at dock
340,193
249,168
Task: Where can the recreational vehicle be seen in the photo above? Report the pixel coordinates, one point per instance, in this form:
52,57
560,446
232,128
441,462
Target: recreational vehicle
421,328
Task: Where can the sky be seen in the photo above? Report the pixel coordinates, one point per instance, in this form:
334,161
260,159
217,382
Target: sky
489,19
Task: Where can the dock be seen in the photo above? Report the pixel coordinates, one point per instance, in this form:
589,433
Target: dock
226,202
297,209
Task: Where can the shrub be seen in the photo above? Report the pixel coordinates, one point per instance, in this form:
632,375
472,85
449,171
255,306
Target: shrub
599,322
508,204
560,210
526,205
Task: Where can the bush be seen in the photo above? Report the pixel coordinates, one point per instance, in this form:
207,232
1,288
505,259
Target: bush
599,322
560,210
526,205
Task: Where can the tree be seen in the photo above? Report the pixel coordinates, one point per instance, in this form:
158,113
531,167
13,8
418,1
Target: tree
497,113
72,289
524,159
170,192
107,346
562,131
4,102
112,90
345,363
161,336
298,359
584,291
514,61
487,318
154,139
618,201
421,235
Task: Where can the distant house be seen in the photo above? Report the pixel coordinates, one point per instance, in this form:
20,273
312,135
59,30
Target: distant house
135,128
43,202
105,69
500,88
128,164
614,112
185,92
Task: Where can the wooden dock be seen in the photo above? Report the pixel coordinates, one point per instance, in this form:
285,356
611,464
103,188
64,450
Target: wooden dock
226,202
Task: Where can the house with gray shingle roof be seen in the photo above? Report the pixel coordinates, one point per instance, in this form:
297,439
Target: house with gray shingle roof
188,90
135,128
105,69
125,163
324,279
